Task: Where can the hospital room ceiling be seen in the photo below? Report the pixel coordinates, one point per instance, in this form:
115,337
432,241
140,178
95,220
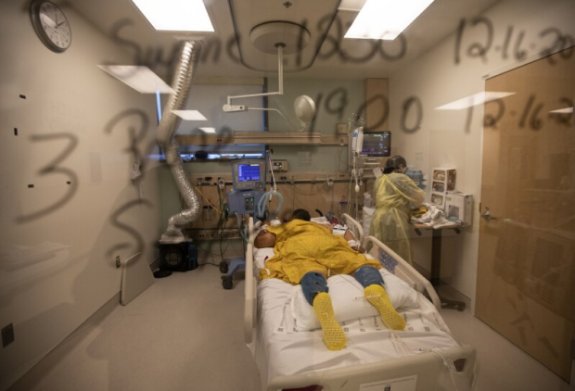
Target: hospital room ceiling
235,50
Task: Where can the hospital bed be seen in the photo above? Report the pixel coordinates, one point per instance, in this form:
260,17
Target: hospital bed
283,335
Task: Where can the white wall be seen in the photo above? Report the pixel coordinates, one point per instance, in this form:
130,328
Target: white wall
336,101
445,138
68,204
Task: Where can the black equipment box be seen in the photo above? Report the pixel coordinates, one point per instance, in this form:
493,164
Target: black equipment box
181,256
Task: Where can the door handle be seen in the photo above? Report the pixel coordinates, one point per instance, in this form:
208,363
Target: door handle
486,214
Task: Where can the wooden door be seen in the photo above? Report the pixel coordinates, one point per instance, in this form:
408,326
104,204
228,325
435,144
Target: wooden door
526,265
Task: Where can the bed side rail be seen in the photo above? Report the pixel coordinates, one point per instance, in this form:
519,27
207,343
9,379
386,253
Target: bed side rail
354,226
404,270
453,368
250,287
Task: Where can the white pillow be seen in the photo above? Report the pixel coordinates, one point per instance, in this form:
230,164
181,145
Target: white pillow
348,300
261,255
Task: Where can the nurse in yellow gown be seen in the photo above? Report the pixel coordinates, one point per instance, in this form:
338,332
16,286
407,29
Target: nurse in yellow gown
395,196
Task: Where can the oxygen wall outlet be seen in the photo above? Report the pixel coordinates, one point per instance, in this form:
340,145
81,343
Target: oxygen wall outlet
280,165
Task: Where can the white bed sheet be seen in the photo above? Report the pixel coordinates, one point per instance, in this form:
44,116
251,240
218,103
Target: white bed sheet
283,350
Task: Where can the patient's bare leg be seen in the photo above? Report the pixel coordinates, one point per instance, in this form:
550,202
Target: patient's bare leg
333,335
378,298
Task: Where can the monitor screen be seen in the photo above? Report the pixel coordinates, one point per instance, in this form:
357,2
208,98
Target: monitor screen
376,144
248,172
248,175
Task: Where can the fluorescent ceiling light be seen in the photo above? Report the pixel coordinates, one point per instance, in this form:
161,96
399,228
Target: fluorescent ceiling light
474,100
385,19
208,130
190,115
176,15
566,110
140,78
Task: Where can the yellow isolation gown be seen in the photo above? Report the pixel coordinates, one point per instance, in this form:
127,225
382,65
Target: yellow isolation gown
395,195
303,246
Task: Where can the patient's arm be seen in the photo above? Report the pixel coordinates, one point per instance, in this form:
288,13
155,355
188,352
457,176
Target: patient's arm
352,241
348,235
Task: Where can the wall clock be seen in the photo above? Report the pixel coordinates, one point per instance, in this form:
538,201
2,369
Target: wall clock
51,25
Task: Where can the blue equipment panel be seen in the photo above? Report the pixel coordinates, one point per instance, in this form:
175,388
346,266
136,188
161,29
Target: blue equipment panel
245,201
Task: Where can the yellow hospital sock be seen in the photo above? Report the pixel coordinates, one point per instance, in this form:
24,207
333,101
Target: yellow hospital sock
377,296
333,335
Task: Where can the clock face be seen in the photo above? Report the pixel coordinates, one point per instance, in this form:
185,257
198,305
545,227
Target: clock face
51,25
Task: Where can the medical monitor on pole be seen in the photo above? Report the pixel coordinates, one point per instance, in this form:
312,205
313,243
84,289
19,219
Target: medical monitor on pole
248,175
376,144
374,149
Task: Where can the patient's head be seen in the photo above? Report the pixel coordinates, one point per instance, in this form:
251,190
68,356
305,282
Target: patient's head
301,214
265,239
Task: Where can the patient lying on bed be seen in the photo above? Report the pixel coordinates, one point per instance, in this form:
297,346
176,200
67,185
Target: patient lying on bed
307,253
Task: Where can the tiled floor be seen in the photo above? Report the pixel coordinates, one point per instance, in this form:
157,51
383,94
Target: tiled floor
502,366
184,333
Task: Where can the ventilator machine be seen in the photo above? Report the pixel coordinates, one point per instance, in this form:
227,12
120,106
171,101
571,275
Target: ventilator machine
248,179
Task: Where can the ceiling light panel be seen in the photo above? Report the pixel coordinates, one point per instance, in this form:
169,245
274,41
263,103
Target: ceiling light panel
474,100
566,110
140,78
176,15
385,19
351,5
190,115
208,130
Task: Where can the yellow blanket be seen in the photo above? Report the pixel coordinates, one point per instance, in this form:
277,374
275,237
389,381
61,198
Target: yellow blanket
303,246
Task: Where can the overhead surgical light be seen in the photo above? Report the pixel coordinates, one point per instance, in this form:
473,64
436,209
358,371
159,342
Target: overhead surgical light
474,100
304,108
385,19
279,37
229,107
140,78
176,15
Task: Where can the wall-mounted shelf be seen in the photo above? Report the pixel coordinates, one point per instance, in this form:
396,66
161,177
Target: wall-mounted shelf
260,137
